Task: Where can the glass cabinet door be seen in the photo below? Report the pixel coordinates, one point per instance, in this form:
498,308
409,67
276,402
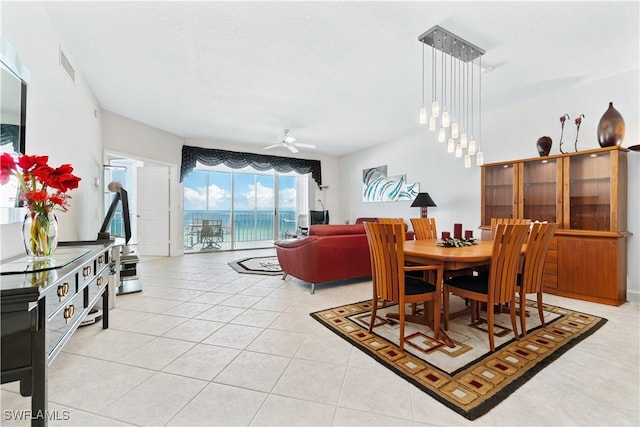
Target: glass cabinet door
540,189
589,204
499,191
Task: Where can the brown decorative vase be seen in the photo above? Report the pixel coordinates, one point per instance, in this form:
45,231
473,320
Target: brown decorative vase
544,145
611,128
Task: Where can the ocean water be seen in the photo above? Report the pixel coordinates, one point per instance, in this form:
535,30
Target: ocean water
247,225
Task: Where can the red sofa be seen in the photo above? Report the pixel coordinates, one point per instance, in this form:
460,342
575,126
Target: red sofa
330,252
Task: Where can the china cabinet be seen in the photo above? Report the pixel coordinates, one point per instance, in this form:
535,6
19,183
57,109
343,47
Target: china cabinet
586,193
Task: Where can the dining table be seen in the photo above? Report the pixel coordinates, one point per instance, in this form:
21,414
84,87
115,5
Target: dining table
429,251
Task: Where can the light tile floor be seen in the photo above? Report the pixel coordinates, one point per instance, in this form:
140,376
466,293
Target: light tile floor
204,345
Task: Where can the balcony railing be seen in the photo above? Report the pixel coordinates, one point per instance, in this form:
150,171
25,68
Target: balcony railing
247,227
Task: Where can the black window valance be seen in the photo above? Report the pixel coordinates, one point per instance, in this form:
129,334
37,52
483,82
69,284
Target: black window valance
238,160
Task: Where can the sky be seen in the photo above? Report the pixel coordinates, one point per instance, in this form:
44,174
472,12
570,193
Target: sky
252,190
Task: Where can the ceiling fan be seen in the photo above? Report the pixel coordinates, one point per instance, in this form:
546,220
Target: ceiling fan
288,142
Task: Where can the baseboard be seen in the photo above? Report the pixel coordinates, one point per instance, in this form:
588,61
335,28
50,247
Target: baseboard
633,296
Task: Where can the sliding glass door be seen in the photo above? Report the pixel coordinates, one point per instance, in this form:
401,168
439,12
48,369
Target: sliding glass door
241,208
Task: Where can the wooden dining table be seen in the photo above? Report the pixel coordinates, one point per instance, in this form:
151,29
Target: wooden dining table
452,258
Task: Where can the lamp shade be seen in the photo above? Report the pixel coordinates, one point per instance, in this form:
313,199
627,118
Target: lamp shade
423,200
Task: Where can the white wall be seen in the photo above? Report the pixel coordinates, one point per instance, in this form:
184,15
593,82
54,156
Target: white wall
154,147
509,133
63,120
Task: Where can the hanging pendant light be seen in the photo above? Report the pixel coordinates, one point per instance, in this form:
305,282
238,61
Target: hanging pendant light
435,106
467,160
453,91
423,109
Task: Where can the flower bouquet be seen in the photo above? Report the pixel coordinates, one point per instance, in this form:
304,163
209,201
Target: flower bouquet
42,190
452,242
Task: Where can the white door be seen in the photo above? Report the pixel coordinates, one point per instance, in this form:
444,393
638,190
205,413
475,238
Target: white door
153,211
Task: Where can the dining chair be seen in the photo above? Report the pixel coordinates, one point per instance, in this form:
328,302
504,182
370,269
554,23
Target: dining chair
530,281
496,221
211,234
424,228
498,285
390,281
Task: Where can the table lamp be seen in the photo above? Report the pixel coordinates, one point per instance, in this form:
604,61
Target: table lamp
422,201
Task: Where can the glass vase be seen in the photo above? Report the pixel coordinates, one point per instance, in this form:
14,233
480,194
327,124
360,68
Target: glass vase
40,234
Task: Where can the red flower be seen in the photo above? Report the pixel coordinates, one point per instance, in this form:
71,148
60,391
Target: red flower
7,167
32,171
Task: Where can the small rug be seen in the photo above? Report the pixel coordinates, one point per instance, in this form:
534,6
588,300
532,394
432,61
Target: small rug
266,265
467,378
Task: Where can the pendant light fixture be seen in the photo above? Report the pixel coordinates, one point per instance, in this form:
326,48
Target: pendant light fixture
456,98
423,109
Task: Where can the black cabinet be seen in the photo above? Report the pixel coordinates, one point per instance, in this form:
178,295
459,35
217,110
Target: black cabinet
42,304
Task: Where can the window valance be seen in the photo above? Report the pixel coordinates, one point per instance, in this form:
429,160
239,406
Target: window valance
238,160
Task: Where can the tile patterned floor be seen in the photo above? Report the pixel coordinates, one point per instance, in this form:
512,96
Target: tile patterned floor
204,345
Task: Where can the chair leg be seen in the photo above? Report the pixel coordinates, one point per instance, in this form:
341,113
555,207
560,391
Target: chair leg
490,315
540,308
523,314
445,303
374,310
401,320
512,313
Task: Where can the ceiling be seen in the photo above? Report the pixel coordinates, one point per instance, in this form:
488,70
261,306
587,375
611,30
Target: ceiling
340,75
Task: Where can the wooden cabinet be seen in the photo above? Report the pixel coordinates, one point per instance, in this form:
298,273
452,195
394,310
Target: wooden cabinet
499,195
586,193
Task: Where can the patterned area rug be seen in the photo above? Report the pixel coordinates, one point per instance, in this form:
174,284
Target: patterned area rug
467,378
266,265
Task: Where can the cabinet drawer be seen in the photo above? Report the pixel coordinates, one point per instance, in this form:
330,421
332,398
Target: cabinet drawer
63,319
60,293
96,286
92,268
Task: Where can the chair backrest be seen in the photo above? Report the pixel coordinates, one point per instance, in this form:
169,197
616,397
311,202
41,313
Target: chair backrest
387,258
538,242
211,227
496,221
318,217
503,270
395,221
424,228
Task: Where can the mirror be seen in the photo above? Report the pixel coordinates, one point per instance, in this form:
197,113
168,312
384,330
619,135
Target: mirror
13,112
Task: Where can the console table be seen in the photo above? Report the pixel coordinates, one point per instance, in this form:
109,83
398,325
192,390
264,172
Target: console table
42,304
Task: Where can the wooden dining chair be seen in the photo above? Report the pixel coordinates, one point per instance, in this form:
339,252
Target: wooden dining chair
390,281
496,221
530,281
498,285
424,228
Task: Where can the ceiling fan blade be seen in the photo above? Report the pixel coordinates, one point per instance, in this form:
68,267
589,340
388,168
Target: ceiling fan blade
289,139
300,144
291,148
271,146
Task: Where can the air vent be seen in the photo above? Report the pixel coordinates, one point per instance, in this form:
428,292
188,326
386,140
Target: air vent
67,67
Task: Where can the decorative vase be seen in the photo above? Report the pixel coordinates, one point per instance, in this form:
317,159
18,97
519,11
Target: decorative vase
40,234
611,128
544,145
